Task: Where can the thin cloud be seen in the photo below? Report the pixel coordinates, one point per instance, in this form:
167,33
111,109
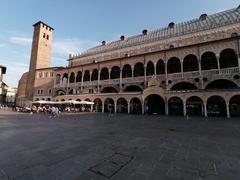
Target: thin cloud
24,41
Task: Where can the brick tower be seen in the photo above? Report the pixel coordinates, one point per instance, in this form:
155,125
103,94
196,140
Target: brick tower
40,54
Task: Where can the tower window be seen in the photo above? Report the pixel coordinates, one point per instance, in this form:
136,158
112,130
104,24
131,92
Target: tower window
49,91
47,37
44,35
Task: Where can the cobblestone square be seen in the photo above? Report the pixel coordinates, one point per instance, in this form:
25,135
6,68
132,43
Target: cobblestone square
118,147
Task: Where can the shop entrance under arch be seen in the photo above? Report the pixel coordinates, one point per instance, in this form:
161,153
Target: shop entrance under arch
195,106
175,106
154,104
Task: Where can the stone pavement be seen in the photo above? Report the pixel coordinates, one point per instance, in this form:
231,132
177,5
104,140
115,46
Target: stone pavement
118,147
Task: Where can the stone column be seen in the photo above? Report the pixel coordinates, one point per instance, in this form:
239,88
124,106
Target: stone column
228,112
143,108
90,76
181,68
109,75
205,109
82,81
200,72
145,75
155,69
115,107
103,107
166,75
184,108
166,106
68,80
128,107
218,63
98,82
120,80
132,71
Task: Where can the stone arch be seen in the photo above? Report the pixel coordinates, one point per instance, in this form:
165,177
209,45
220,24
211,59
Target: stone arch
138,70
109,89
65,78
173,65
221,84
160,69
97,105
183,86
175,106
234,106
104,74
94,75
135,106
154,104
71,91
115,72
122,105
58,78
150,69
195,106
79,76
228,58
216,106
109,105
209,61
86,76
190,63
72,78
60,92
126,71
133,88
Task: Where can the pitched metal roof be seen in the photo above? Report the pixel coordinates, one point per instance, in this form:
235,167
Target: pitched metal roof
204,22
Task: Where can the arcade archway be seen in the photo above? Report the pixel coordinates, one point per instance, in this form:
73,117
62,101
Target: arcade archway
216,106
194,106
175,106
122,105
234,106
154,104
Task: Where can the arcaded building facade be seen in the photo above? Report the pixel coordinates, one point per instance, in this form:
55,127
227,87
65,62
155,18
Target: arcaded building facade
185,68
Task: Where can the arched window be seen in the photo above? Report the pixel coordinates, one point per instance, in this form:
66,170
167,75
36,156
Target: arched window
160,67
94,75
221,84
228,59
104,74
138,70
173,65
58,78
216,106
109,90
79,76
132,88
150,68
72,77
115,72
190,63
183,86
86,76
209,61
126,71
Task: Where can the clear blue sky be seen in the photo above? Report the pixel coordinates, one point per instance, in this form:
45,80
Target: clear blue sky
82,24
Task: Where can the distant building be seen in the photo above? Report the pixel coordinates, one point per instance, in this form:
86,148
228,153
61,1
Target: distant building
11,96
184,68
2,85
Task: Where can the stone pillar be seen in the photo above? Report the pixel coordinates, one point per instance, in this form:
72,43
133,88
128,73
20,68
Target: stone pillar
166,106
143,108
120,80
184,108
68,80
109,75
200,72
228,112
75,79
82,81
128,107
98,82
182,68
218,63
103,107
205,109
115,107
145,75
166,75
90,76
155,69
132,71
91,108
